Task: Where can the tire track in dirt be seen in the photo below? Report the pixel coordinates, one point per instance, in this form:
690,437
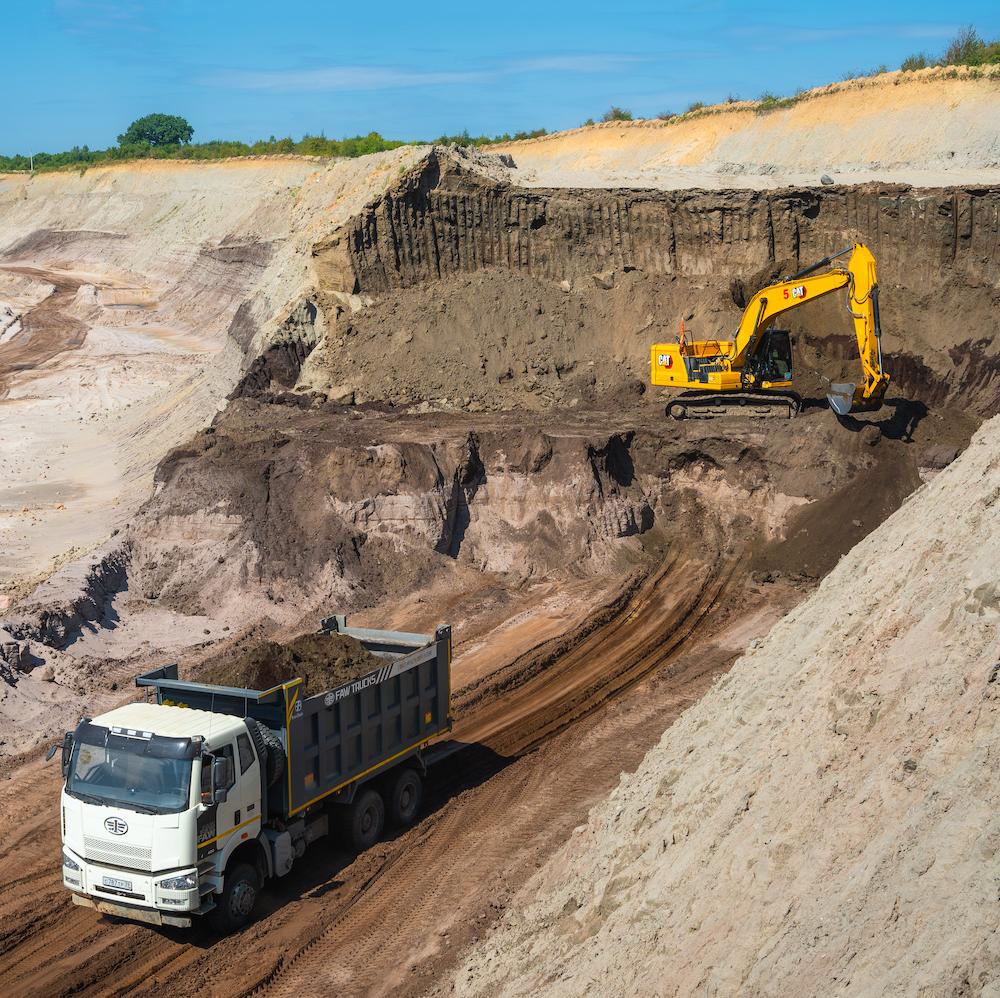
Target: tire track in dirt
553,730
493,827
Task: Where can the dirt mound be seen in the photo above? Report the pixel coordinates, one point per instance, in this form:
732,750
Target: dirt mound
324,661
929,128
821,822
500,340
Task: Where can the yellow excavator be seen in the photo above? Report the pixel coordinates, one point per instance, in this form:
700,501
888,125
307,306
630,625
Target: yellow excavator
754,369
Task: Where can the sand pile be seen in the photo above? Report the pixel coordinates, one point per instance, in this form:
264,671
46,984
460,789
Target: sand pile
324,661
825,820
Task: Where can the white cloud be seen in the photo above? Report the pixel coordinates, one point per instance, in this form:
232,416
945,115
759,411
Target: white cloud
336,78
572,63
99,16
346,78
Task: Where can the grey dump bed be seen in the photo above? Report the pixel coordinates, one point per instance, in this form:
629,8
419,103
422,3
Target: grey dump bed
336,737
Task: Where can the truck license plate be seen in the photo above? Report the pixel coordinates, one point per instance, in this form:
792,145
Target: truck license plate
122,885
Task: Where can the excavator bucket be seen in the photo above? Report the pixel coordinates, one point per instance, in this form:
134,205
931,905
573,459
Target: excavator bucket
845,399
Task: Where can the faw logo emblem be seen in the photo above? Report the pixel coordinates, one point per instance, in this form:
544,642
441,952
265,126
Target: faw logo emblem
117,826
665,360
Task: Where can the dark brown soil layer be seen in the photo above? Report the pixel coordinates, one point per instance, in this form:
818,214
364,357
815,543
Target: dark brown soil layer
324,661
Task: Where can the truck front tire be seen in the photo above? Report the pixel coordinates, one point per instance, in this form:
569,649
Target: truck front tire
405,794
365,820
235,906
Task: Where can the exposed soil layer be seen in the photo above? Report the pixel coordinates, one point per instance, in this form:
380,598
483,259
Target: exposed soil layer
390,501
929,127
323,661
499,296
169,279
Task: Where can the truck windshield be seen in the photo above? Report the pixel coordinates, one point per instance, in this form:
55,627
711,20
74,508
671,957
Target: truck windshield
110,769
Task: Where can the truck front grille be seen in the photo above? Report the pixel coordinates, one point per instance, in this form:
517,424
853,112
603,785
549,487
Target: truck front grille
117,853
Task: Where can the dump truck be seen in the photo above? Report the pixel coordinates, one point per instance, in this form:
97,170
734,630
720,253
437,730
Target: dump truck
185,804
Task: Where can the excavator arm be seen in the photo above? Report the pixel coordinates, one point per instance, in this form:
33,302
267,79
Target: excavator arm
859,278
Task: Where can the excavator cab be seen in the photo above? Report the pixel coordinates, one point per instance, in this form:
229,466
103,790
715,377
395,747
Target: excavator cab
772,362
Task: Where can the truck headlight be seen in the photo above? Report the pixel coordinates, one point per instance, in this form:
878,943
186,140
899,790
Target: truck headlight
69,863
186,883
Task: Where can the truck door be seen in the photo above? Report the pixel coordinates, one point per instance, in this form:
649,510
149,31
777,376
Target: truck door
218,821
249,784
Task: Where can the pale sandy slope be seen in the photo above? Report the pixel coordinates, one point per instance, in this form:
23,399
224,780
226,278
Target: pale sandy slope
184,271
826,821
927,129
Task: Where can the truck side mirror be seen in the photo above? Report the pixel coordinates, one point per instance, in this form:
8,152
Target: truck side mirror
222,779
51,752
67,753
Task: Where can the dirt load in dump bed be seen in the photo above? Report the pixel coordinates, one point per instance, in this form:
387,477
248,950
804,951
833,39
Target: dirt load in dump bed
324,661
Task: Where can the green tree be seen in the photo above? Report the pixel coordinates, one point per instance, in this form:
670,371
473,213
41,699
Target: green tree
966,48
157,130
616,114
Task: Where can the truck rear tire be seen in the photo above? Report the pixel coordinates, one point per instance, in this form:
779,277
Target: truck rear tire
405,795
235,906
269,749
365,820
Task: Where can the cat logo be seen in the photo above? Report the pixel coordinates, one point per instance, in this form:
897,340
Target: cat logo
665,360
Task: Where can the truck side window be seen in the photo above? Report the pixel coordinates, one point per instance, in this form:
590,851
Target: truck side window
206,779
227,752
246,752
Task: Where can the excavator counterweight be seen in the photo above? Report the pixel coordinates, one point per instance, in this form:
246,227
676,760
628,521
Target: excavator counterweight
754,369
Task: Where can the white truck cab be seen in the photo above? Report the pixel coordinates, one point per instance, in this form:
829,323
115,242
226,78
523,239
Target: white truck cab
157,798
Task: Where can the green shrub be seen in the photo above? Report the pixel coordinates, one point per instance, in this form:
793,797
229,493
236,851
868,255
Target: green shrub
914,62
695,106
967,48
772,102
616,114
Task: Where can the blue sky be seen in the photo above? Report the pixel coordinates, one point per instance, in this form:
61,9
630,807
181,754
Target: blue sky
78,71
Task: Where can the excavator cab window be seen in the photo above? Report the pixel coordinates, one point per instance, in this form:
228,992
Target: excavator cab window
773,361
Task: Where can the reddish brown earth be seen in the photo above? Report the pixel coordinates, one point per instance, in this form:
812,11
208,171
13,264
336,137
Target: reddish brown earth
322,661
547,716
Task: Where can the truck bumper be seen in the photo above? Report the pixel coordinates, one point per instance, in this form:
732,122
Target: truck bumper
151,916
133,894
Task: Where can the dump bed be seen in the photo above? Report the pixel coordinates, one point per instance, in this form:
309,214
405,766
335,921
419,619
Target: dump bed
335,737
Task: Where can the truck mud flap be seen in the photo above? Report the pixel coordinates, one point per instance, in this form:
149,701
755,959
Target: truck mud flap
150,916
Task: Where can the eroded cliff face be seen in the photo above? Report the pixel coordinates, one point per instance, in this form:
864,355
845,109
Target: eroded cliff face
938,253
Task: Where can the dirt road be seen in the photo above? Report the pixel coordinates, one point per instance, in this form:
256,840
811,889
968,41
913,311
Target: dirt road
590,703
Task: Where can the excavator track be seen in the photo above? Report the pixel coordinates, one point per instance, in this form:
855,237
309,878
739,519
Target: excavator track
709,405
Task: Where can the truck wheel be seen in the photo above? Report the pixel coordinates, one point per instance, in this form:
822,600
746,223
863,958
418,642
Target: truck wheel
235,906
366,819
406,793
